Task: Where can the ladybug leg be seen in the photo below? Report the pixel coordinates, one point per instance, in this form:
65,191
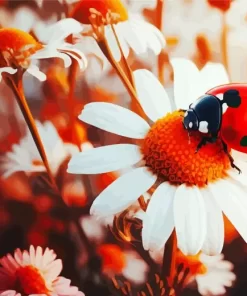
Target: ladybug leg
230,157
206,140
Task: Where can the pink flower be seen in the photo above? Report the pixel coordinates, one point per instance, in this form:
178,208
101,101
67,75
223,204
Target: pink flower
34,273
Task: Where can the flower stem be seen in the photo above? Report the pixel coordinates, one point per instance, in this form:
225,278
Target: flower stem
128,72
169,259
224,48
103,44
159,14
159,25
17,87
71,104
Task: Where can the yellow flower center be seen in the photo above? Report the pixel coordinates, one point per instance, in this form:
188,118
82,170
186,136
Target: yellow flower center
15,47
82,11
170,153
30,281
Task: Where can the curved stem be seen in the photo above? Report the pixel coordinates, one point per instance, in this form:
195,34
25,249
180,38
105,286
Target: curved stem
103,44
71,102
17,88
159,25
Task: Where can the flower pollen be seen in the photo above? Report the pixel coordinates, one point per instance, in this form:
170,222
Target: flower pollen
170,153
83,10
30,281
16,46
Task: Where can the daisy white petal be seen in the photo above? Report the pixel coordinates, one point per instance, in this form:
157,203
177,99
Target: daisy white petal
113,45
215,225
129,31
187,86
218,275
136,269
190,219
62,29
9,70
151,94
232,201
211,75
115,119
123,192
50,52
159,222
34,70
144,36
105,159
76,54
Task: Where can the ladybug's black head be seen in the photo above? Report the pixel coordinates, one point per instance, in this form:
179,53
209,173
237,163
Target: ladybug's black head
190,121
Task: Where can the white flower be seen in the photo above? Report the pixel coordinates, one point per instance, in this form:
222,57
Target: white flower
132,30
127,263
20,49
196,210
218,275
211,273
93,228
137,34
136,269
25,156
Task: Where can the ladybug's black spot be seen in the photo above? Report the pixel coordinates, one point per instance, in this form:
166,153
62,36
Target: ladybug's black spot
232,98
243,141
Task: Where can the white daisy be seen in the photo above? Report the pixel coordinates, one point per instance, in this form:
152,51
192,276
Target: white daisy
212,274
133,31
217,277
20,50
25,156
128,263
198,186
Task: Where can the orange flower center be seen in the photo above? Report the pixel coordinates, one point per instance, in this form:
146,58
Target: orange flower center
15,47
30,281
194,264
113,258
83,9
170,153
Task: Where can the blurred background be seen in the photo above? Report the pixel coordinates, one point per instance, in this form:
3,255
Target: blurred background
92,252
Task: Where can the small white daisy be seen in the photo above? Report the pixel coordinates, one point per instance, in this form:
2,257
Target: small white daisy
217,277
133,31
194,189
25,156
212,274
19,49
128,263
34,272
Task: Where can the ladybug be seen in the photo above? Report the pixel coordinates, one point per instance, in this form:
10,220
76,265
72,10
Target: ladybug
206,116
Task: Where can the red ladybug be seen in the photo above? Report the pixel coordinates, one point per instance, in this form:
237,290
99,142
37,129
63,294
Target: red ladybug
206,116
